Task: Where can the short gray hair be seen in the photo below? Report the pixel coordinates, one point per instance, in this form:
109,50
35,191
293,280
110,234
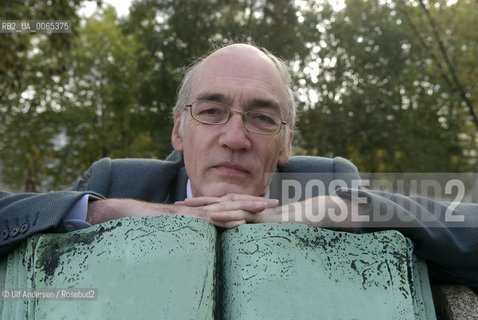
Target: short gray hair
185,88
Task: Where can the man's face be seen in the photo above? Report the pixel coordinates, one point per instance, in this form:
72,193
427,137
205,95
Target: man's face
222,159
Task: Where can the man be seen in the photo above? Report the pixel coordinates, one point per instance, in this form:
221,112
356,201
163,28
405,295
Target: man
233,126
227,163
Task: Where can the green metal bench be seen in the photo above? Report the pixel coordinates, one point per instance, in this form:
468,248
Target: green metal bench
170,267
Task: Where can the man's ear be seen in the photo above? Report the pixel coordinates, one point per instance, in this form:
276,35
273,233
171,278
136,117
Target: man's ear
285,152
176,137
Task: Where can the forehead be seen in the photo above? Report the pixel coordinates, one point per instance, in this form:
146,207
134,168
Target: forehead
239,74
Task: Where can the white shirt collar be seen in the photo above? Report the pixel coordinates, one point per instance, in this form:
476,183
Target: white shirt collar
189,193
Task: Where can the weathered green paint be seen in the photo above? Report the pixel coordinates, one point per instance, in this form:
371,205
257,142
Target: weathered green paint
164,267
143,268
296,272
423,297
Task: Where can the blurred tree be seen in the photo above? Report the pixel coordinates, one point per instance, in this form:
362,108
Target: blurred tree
174,32
30,69
373,98
446,33
100,113
115,96
390,85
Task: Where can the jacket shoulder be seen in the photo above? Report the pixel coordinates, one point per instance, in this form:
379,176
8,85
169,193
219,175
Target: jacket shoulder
318,164
133,178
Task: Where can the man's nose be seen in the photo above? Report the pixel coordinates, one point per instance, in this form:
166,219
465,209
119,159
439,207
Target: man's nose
235,135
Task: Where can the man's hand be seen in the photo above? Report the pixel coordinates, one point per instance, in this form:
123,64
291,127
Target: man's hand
330,212
230,210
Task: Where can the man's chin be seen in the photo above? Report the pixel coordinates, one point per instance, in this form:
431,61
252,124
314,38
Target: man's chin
222,189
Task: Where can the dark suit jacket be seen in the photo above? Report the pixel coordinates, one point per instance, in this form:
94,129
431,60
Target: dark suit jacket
451,253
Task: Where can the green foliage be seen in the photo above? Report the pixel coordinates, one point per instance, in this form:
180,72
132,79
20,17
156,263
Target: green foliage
100,112
390,85
30,67
174,32
379,101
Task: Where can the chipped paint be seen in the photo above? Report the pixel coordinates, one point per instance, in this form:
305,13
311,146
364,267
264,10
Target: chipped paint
182,268
139,265
289,271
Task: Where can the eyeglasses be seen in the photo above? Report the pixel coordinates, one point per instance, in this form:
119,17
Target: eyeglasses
260,122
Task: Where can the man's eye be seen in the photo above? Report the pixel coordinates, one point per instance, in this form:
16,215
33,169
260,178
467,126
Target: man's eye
264,118
210,111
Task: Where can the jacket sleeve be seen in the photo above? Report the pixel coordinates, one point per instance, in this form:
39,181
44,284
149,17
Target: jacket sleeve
22,215
444,234
449,247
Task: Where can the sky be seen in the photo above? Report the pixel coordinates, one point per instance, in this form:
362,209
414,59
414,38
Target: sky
122,7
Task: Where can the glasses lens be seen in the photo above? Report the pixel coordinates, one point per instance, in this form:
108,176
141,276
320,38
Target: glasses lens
255,121
210,112
262,122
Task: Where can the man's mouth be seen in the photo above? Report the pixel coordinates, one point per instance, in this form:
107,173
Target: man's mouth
231,169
